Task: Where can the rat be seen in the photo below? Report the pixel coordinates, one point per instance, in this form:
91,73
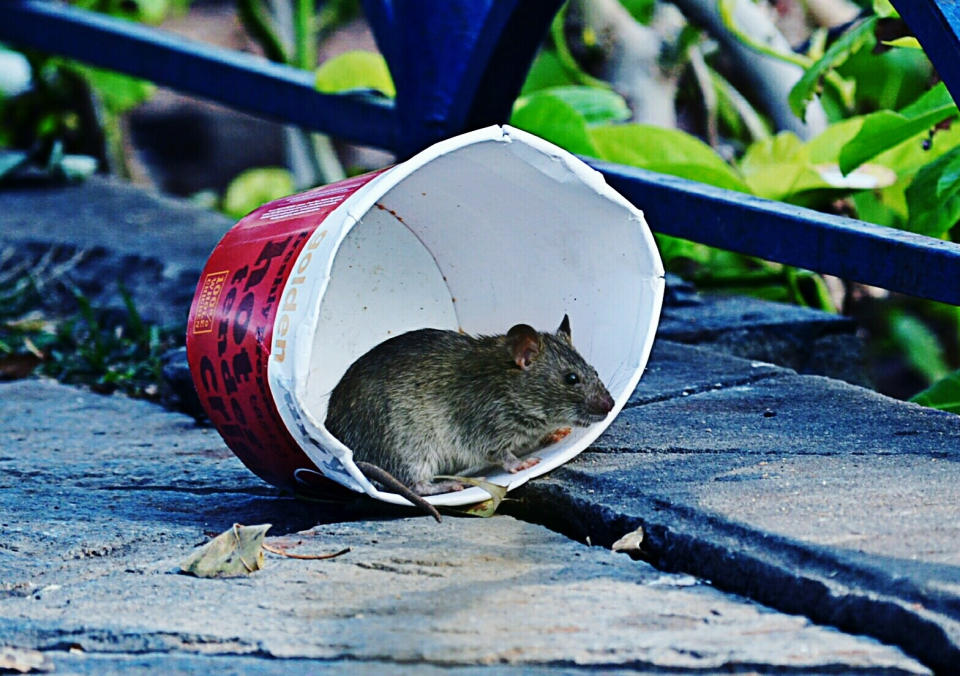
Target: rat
432,402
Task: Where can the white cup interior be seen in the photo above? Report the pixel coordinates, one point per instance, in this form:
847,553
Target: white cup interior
478,233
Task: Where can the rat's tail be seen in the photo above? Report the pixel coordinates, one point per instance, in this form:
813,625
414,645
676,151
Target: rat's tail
393,483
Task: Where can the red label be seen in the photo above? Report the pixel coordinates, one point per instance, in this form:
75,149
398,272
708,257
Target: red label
231,323
207,296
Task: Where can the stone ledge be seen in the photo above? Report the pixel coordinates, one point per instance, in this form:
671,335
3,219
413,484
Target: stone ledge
805,340
808,494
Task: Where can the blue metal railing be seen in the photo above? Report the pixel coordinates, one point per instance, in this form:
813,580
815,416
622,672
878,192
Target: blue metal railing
460,65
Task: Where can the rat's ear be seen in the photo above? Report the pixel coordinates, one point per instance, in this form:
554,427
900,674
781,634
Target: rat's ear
564,330
524,344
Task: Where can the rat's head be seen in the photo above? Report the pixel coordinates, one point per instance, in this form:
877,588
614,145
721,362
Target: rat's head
556,380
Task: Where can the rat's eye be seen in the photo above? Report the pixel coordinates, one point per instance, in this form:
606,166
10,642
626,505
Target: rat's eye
571,378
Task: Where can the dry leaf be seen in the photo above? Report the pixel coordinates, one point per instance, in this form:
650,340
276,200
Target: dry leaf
487,507
33,349
235,552
32,322
631,543
23,660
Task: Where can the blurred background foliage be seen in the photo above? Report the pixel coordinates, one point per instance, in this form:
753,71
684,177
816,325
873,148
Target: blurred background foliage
828,104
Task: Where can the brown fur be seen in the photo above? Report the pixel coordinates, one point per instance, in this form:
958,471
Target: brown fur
433,402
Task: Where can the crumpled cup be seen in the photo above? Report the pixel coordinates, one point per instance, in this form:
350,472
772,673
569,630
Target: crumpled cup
476,233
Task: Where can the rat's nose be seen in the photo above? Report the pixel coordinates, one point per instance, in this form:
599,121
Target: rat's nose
602,403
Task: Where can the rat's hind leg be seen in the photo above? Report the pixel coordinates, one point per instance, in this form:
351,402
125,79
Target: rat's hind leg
512,463
433,488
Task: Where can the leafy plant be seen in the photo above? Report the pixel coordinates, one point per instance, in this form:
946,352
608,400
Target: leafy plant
290,35
254,187
50,327
943,394
890,154
76,105
355,70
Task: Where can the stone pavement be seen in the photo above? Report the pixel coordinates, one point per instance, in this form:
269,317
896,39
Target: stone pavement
833,506
103,496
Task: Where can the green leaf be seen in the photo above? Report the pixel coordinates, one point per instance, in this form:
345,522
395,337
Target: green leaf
667,151
721,177
885,129
907,42
825,146
152,11
884,9
943,394
235,552
888,206
933,198
890,80
873,208
784,166
641,10
947,182
597,106
919,344
254,187
565,56
803,92
118,92
355,70
554,119
546,71
773,167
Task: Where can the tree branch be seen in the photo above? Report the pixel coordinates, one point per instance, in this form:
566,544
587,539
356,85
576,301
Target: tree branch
772,76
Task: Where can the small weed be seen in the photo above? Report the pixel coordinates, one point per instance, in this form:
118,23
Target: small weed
50,327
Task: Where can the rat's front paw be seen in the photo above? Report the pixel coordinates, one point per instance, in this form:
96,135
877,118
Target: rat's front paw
555,436
526,463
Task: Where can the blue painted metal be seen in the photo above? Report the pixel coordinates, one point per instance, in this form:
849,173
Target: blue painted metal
241,80
456,65
936,24
872,254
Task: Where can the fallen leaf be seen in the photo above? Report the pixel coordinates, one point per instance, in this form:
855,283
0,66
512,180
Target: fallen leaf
631,543
32,322
235,552
33,349
486,508
23,660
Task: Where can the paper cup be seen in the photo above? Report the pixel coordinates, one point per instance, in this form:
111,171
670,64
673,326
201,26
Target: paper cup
477,233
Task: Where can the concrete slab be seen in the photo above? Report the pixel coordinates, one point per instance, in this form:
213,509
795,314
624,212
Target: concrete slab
100,497
806,340
812,495
676,370
109,213
103,233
